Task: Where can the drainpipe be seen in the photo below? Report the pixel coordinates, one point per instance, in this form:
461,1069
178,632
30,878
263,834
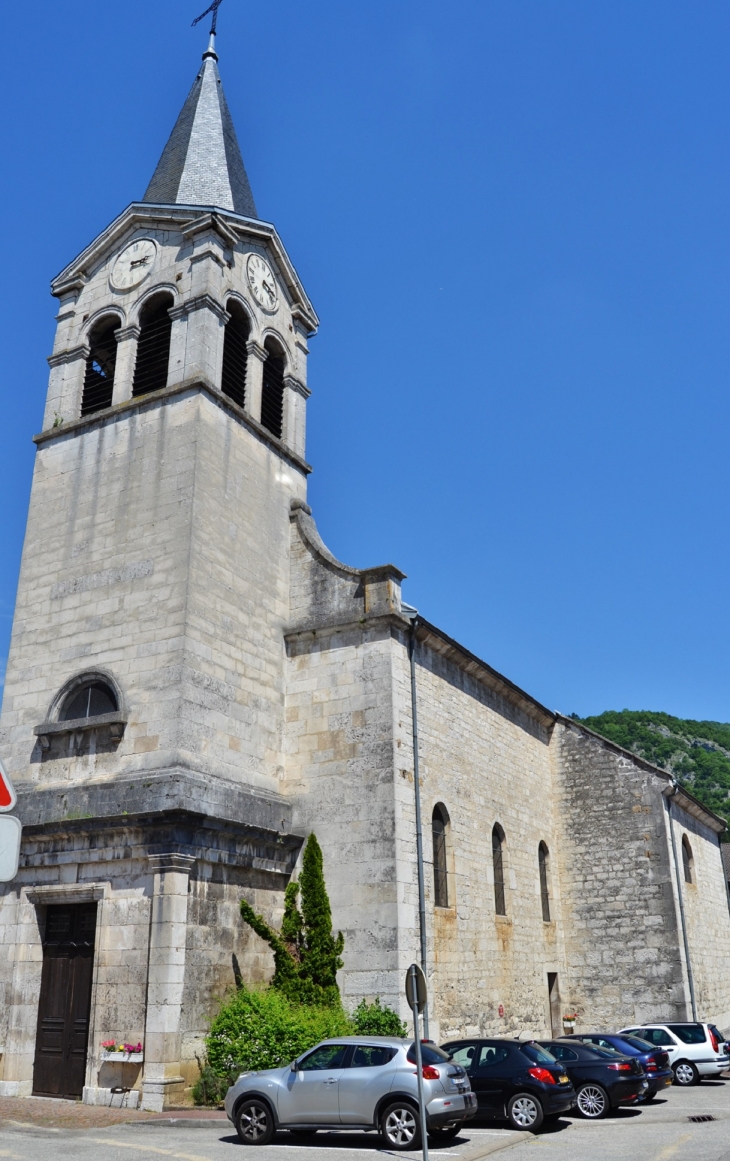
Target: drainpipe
412,615
669,794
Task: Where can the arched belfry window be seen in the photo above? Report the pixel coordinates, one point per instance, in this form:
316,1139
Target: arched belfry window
439,829
235,354
153,346
500,900
688,863
100,366
272,393
543,859
90,699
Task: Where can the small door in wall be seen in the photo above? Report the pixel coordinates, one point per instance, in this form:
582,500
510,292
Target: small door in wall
556,1025
65,1001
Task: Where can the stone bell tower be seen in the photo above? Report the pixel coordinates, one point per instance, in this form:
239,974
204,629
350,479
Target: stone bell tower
142,720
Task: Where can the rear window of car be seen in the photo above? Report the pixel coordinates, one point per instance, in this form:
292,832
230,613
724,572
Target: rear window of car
371,1055
638,1044
562,1053
537,1054
430,1054
688,1033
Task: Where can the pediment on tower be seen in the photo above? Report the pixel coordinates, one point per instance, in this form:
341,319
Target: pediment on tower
183,235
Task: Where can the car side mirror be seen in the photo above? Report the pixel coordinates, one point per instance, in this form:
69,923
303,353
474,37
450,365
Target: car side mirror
294,1066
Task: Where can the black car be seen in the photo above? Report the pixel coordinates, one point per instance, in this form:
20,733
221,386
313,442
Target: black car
655,1061
603,1079
512,1079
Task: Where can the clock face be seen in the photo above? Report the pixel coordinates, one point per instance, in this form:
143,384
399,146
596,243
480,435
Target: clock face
262,282
134,264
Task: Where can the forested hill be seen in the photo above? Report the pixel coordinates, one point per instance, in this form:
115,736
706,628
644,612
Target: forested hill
696,753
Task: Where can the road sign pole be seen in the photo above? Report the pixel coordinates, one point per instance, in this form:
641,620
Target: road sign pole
419,1059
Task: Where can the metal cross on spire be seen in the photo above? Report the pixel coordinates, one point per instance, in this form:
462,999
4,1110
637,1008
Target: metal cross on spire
214,9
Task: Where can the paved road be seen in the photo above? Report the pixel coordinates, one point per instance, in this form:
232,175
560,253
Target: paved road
659,1132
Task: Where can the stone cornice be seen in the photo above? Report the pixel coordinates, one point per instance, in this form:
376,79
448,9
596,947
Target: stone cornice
200,302
255,349
212,222
155,399
133,331
171,861
144,214
70,355
295,384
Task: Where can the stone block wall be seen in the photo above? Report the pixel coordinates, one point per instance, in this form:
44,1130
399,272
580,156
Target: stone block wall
622,933
487,762
339,767
707,915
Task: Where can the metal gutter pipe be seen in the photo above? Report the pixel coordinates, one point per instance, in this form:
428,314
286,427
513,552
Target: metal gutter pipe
669,795
413,615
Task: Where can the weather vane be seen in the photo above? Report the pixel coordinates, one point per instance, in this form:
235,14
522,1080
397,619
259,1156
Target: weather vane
214,9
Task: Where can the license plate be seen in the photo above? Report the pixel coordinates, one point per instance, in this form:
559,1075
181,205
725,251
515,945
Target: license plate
564,1079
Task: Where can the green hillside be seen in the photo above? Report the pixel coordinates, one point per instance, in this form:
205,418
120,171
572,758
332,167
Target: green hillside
696,753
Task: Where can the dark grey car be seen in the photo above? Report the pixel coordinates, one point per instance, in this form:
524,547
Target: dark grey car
357,1082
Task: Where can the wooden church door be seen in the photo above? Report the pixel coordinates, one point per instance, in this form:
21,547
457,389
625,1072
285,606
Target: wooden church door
65,1002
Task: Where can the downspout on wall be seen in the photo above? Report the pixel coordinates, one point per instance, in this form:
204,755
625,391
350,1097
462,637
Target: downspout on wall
412,615
669,794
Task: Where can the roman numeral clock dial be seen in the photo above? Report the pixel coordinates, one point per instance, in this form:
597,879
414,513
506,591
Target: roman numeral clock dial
262,282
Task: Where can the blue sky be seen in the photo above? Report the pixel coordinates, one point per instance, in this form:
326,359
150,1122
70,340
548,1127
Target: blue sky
512,217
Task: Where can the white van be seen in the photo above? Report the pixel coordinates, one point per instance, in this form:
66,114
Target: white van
695,1050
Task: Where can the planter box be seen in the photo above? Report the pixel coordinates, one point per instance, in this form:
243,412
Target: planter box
123,1057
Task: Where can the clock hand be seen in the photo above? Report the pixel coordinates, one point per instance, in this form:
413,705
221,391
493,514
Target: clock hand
139,262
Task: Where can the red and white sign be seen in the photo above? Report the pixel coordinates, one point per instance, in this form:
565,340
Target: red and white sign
10,830
7,792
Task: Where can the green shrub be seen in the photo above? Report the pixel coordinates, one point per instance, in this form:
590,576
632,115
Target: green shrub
255,1030
375,1020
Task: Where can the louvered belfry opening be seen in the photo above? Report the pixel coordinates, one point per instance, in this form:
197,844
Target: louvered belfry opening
100,366
153,347
272,394
235,354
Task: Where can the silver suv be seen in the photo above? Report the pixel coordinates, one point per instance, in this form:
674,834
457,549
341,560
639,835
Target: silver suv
355,1082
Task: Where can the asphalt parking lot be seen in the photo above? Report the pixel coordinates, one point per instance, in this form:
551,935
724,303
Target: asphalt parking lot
661,1131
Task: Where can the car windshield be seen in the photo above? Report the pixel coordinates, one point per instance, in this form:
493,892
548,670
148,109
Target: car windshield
688,1033
537,1054
430,1054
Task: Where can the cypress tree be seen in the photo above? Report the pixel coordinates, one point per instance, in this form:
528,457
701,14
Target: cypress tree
306,953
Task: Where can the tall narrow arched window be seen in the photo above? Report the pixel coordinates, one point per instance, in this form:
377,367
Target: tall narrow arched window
500,901
272,392
100,366
235,354
543,859
688,863
153,346
439,826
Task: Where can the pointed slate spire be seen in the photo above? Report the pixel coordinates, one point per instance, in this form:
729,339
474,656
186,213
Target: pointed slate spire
201,165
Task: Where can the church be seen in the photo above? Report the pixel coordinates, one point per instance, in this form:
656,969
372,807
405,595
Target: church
195,683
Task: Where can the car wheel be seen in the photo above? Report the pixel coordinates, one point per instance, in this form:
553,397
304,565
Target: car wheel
399,1126
685,1073
254,1122
525,1112
649,1097
593,1102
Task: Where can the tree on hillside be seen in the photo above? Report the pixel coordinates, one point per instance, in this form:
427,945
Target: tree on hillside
306,953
